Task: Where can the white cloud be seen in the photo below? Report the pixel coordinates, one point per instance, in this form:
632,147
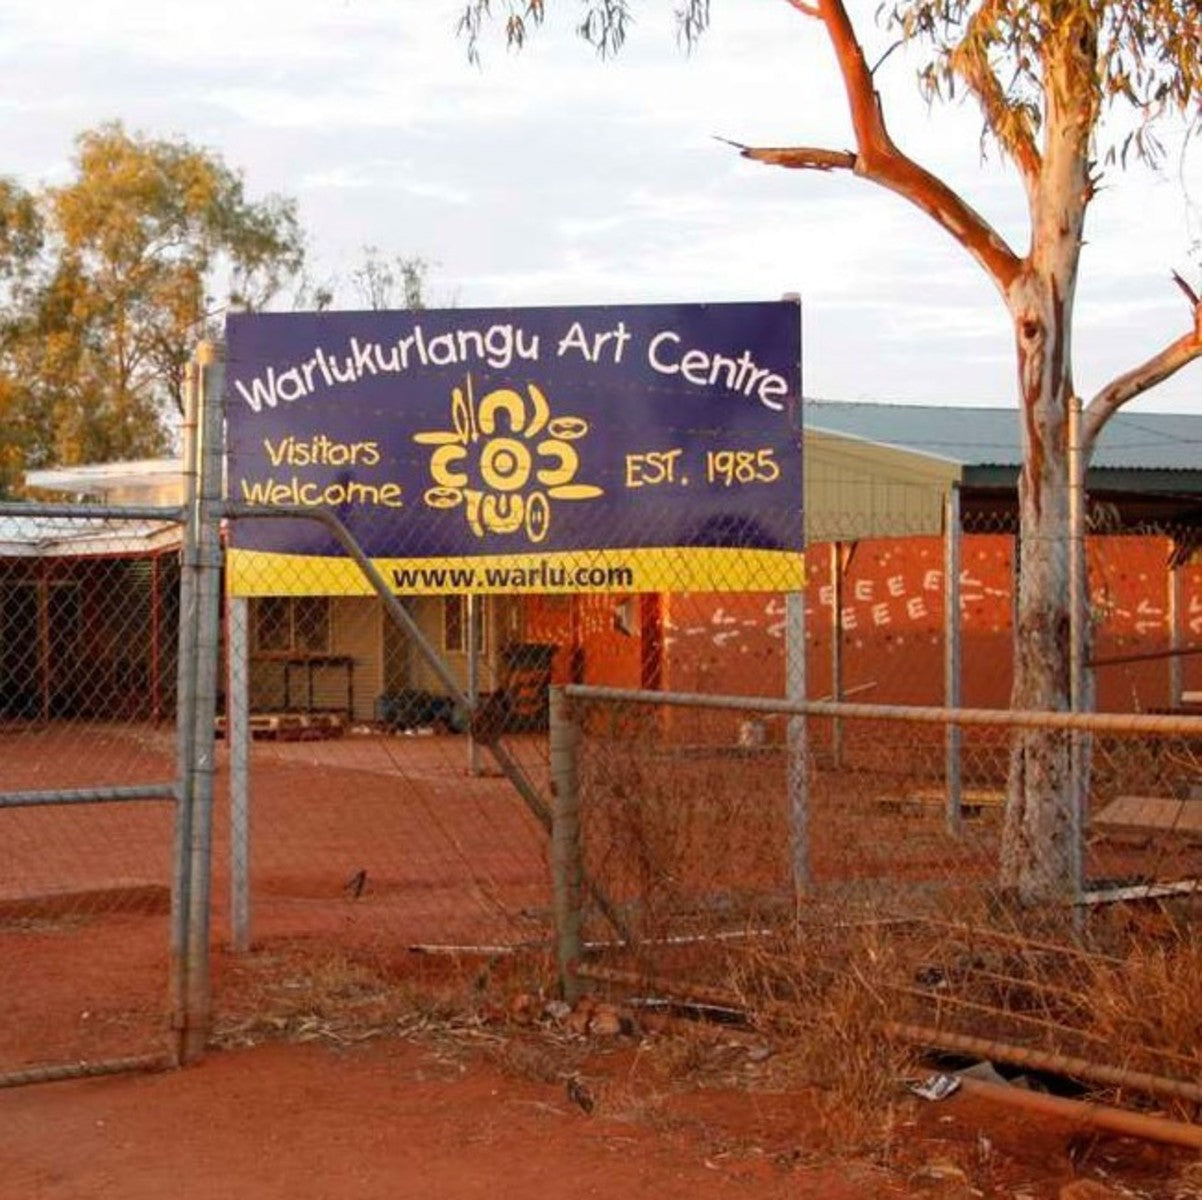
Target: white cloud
551,177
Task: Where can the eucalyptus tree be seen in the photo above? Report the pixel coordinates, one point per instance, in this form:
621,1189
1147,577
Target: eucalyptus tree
112,277
1045,74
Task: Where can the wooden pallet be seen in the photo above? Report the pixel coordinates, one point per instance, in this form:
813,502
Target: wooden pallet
1143,816
927,801
292,727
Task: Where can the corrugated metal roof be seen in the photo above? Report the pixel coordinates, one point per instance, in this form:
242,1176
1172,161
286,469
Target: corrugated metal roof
984,437
98,479
59,537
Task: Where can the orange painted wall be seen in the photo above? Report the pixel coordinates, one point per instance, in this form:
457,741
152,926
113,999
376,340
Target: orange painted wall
890,627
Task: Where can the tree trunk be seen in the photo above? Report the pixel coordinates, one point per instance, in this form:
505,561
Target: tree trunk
1041,837
1040,842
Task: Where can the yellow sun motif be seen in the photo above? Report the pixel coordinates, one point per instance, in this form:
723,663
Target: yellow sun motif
505,477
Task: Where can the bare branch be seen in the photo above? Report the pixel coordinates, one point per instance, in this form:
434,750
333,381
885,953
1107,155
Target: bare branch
802,158
810,10
1147,375
1190,294
884,58
878,159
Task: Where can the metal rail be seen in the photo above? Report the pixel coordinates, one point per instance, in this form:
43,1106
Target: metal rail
934,1037
1187,726
97,795
93,512
53,1073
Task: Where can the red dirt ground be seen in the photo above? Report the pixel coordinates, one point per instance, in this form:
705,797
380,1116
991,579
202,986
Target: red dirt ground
391,1119
386,1120
448,859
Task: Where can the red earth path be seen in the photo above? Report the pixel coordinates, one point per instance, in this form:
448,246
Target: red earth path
386,1120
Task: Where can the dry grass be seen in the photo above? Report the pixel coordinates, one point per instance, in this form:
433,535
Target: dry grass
826,1024
904,922
1146,1004
307,991
811,1046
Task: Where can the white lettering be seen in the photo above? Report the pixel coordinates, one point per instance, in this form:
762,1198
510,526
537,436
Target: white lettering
362,357
703,369
575,339
441,350
294,383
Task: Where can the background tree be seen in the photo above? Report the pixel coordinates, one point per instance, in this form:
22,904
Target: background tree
21,236
111,280
398,282
1044,73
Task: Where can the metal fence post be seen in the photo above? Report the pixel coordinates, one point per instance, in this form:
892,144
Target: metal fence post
1078,598
208,630
472,633
185,718
953,774
796,733
237,736
798,766
1177,609
836,569
567,874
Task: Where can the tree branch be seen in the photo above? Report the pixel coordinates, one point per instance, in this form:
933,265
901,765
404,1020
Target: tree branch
1011,125
1134,383
801,158
1187,291
879,160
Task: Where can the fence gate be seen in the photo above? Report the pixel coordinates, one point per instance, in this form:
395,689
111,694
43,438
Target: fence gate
379,824
89,616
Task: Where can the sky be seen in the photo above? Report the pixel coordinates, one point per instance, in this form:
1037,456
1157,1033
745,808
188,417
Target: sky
551,177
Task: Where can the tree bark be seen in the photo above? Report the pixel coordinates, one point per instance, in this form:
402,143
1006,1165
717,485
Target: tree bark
1039,836
1041,845
1041,850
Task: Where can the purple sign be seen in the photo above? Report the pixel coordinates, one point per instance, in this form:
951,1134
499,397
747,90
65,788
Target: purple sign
539,442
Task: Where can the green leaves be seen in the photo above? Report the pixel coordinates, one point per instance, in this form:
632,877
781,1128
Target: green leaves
604,24
1021,57
112,279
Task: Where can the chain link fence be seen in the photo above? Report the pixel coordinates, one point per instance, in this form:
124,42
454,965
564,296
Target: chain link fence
375,813
89,612
781,784
696,847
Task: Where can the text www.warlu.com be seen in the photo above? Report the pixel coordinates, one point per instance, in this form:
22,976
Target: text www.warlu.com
542,577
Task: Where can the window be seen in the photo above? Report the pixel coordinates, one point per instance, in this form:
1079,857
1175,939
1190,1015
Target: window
454,624
292,624
311,624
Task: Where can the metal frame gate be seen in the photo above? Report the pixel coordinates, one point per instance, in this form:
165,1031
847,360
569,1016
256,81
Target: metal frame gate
74,987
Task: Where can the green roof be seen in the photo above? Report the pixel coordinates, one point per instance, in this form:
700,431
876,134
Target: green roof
989,437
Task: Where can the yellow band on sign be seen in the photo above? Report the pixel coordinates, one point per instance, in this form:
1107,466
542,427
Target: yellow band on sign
696,569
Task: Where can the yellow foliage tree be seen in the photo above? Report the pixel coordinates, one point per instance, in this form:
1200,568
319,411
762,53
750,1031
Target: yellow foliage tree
112,278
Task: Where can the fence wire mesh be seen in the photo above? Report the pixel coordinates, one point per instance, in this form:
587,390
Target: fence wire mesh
383,815
692,840
376,822
88,636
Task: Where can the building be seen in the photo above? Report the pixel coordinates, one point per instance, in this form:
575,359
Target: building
893,494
